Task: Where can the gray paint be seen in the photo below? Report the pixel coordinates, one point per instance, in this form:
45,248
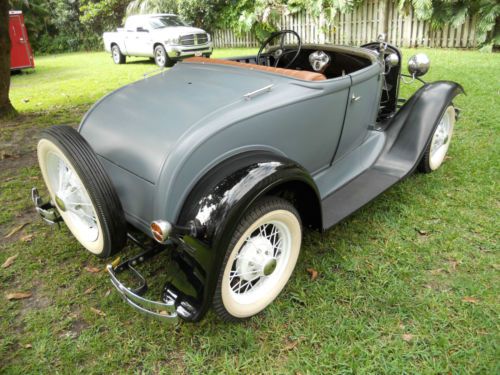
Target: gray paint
158,136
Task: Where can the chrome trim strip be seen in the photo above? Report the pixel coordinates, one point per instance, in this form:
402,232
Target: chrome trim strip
255,93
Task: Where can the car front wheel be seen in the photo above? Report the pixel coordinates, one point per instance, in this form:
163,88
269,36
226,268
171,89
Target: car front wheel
161,57
118,57
435,152
260,259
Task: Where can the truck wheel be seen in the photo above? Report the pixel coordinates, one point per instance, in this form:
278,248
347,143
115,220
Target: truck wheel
161,57
117,55
440,142
81,191
260,259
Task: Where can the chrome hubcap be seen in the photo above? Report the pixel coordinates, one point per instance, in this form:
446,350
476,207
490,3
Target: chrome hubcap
269,267
60,203
160,57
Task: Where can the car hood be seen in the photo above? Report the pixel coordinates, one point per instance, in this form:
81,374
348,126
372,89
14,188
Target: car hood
137,127
177,31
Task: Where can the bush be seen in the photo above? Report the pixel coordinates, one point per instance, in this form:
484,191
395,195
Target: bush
67,43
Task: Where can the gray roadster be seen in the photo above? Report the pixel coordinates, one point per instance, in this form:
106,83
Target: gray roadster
218,165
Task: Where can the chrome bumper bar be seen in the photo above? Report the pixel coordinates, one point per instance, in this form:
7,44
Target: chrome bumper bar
47,210
165,311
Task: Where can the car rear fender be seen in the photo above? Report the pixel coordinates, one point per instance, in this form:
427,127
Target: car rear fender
220,199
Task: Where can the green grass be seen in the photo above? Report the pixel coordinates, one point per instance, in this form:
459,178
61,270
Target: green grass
393,278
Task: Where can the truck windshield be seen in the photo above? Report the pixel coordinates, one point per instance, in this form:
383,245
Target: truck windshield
166,21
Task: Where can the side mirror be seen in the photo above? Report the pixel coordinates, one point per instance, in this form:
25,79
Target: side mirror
142,30
419,64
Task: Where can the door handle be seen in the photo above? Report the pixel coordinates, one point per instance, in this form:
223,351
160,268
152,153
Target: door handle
355,98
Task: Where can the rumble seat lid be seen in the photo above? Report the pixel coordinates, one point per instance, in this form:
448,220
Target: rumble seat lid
299,74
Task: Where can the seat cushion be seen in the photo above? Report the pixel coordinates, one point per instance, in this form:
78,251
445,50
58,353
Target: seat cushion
299,74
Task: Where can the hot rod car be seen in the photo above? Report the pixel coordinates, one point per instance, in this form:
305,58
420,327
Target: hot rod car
220,164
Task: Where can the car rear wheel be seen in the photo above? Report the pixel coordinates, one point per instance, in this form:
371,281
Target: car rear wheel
81,191
260,259
435,152
161,57
118,57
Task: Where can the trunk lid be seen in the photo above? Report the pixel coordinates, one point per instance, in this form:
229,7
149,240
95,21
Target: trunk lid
137,126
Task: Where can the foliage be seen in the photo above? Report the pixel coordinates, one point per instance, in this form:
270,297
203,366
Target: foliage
102,15
152,6
454,13
206,14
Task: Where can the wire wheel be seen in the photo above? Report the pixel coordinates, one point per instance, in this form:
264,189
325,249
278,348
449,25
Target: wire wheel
436,151
260,260
81,191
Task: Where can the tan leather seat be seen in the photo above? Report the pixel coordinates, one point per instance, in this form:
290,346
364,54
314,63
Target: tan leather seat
299,74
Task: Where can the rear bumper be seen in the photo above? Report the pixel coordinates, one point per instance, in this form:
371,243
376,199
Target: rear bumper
174,302
165,310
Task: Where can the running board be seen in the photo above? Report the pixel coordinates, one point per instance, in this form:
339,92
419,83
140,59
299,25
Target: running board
355,195
407,135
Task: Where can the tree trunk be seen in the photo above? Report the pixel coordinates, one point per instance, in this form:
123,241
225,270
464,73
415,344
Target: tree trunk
6,108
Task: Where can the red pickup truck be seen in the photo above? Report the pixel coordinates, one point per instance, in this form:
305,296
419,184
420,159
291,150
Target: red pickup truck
21,55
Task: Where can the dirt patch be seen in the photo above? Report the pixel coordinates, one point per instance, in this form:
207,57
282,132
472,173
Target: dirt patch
26,217
10,163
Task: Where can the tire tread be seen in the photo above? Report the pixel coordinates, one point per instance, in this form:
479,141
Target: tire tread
93,175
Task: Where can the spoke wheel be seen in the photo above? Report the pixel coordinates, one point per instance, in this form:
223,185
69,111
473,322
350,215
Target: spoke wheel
81,191
260,259
436,151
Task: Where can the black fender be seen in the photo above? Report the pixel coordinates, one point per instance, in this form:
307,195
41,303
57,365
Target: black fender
409,131
217,203
408,134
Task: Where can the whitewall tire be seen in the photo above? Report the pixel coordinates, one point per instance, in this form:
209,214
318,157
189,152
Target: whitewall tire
260,259
81,191
437,149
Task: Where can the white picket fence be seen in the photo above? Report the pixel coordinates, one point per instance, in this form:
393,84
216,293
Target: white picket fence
362,26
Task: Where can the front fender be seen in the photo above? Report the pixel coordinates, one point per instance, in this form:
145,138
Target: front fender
410,130
216,205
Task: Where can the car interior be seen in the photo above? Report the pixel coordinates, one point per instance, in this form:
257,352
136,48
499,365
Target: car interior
281,54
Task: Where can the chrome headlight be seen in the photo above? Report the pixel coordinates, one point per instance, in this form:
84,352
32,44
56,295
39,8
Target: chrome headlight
209,37
392,60
419,64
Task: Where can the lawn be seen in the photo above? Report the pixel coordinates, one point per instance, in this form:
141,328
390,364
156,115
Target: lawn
408,284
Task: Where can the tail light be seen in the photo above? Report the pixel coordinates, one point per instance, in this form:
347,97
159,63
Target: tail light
160,229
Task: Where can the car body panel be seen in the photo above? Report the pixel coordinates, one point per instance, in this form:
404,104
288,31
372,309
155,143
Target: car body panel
176,149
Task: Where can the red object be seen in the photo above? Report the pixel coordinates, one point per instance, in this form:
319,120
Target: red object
21,55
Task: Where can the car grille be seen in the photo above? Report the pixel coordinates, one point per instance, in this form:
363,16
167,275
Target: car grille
193,39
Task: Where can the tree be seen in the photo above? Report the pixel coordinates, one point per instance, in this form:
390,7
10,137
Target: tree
454,13
102,15
6,108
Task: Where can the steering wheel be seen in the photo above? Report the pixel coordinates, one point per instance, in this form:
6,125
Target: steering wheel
281,51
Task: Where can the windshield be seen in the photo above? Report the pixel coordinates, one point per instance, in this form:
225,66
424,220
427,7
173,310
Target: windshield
166,21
